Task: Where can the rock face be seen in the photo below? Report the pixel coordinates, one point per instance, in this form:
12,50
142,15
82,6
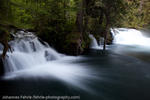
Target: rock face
1,67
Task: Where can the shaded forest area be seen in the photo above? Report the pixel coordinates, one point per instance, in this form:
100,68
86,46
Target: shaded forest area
66,24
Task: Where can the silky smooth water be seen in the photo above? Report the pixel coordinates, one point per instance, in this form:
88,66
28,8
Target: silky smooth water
31,58
94,44
130,37
97,75
131,42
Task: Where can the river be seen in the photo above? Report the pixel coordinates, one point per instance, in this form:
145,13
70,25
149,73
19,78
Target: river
120,73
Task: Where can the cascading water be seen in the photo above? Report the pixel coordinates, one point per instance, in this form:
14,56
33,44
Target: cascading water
130,37
28,52
131,42
94,44
108,76
31,58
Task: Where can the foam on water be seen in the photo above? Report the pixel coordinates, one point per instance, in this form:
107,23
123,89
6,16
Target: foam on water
130,37
31,58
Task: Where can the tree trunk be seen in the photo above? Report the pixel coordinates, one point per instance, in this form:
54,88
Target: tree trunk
101,18
106,30
105,37
86,19
4,42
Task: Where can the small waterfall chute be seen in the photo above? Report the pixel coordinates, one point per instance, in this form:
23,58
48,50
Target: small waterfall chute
94,44
33,59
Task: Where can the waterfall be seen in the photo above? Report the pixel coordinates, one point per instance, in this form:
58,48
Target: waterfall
28,51
94,44
130,37
35,59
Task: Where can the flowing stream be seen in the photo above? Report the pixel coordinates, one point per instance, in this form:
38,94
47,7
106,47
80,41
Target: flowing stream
120,73
131,37
131,42
31,58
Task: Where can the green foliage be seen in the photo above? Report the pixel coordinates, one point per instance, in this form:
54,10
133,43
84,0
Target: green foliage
5,12
138,15
56,20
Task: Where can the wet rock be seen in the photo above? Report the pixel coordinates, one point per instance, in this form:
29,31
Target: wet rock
49,56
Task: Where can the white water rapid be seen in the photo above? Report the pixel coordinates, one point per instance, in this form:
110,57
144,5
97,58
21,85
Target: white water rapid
130,37
33,58
130,41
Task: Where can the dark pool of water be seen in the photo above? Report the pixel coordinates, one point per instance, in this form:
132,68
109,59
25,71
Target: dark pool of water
119,77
